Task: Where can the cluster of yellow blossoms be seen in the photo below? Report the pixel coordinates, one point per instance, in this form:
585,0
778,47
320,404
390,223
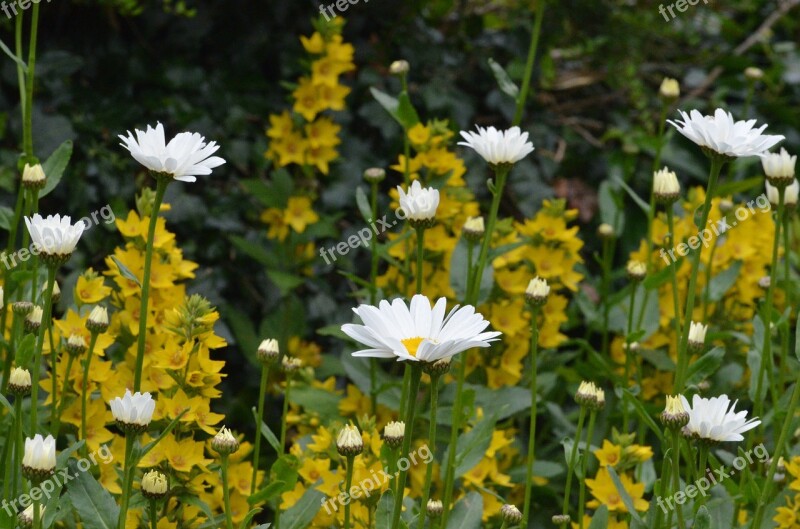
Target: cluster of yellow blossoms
788,517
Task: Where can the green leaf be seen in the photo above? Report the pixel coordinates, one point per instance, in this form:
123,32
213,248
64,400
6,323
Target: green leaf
267,432
319,400
507,86
659,358
642,412
703,519
285,470
126,272
722,282
623,494
600,518
472,445
55,166
636,198
383,513
6,217
248,518
7,405
14,57
400,109
467,513
254,250
93,503
24,354
363,204
705,366
284,281
271,491
152,444
299,516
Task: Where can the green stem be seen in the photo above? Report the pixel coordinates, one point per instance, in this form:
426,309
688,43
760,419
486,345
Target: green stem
348,483
571,463
161,188
526,80
10,346
784,370
766,349
262,394
703,473
420,256
60,408
534,360
226,491
625,414
153,515
604,289
127,480
20,72
19,446
37,355
373,298
776,455
584,465
676,475
674,274
37,517
426,490
28,128
416,375
85,388
497,194
683,356
285,413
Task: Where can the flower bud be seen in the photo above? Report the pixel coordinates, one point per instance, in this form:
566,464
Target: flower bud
510,513
435,508
39,459
33,177
291,365
374,174
666,188
590,396
98,320
76,345
764,282
473,229
725,206
56,297
393,434
19,381
637,270
33,320
752,73
674,415
133,411
268,352
697,336
560,519
224,442
22,308
605,231
537,292
670,89
154,485
400,67
789,195
25,518
349,443
779,168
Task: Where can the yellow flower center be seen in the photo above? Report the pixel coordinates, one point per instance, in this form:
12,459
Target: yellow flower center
613,499
412,344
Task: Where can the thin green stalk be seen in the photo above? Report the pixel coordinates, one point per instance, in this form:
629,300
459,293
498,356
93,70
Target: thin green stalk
420,256
766,348
663,483
676,474
226,491
703,473
153,515
373,297
85,388
776,456
262,395
529,62
584,465
426,490
127,480
787,249
285,413
571,463
9,349
37,516
628,354
37,355
534,360
348,483
501,173
605,283
58,410
161,188
683,360
674,274
28,128
20,72
19,447
416,375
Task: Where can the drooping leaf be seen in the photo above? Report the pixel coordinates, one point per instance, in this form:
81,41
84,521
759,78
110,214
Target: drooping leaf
467,512
507,86
55,166
93,503
125,271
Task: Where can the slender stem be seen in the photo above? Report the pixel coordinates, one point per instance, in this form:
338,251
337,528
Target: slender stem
37,515
571,463
584,465
420,256
60,408
766,349
28,129
787,248
285,413
9,348
348,483
161,188
416,375
526,81
628,354
373,298
501,173
676,303
226,491
426,490
534,360
153,515
776,456
20,72
604,289
37,355
702,473
127,480
85,387
262,394
676,474
683,360
709,274
19,445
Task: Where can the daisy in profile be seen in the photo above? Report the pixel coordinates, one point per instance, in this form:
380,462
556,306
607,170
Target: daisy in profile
418,332
498,146
185,157
714,419
722,135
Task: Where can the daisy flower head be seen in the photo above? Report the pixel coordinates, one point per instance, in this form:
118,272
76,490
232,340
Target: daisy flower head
498,147
715,420
55,235
721,135
185,157
418,332
419,204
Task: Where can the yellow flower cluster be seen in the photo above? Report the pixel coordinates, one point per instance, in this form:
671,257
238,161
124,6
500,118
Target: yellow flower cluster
306,138
788,517
178,369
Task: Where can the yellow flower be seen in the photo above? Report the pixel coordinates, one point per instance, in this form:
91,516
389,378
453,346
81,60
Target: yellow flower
307,102
419,134
315,44
323,133
609,454
320,157
326,71
299,214
606,493
281,125
90,288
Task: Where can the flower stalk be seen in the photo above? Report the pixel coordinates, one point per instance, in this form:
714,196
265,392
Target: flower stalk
426,490
534,360
415,376
37,355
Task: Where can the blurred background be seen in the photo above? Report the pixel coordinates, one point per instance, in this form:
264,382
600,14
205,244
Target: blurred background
221,67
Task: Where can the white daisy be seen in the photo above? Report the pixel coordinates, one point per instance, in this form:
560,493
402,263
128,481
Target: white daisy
40,453
55,235
721,134
715,419
498,147
133,409
420,203
790,194
186,156
418,332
